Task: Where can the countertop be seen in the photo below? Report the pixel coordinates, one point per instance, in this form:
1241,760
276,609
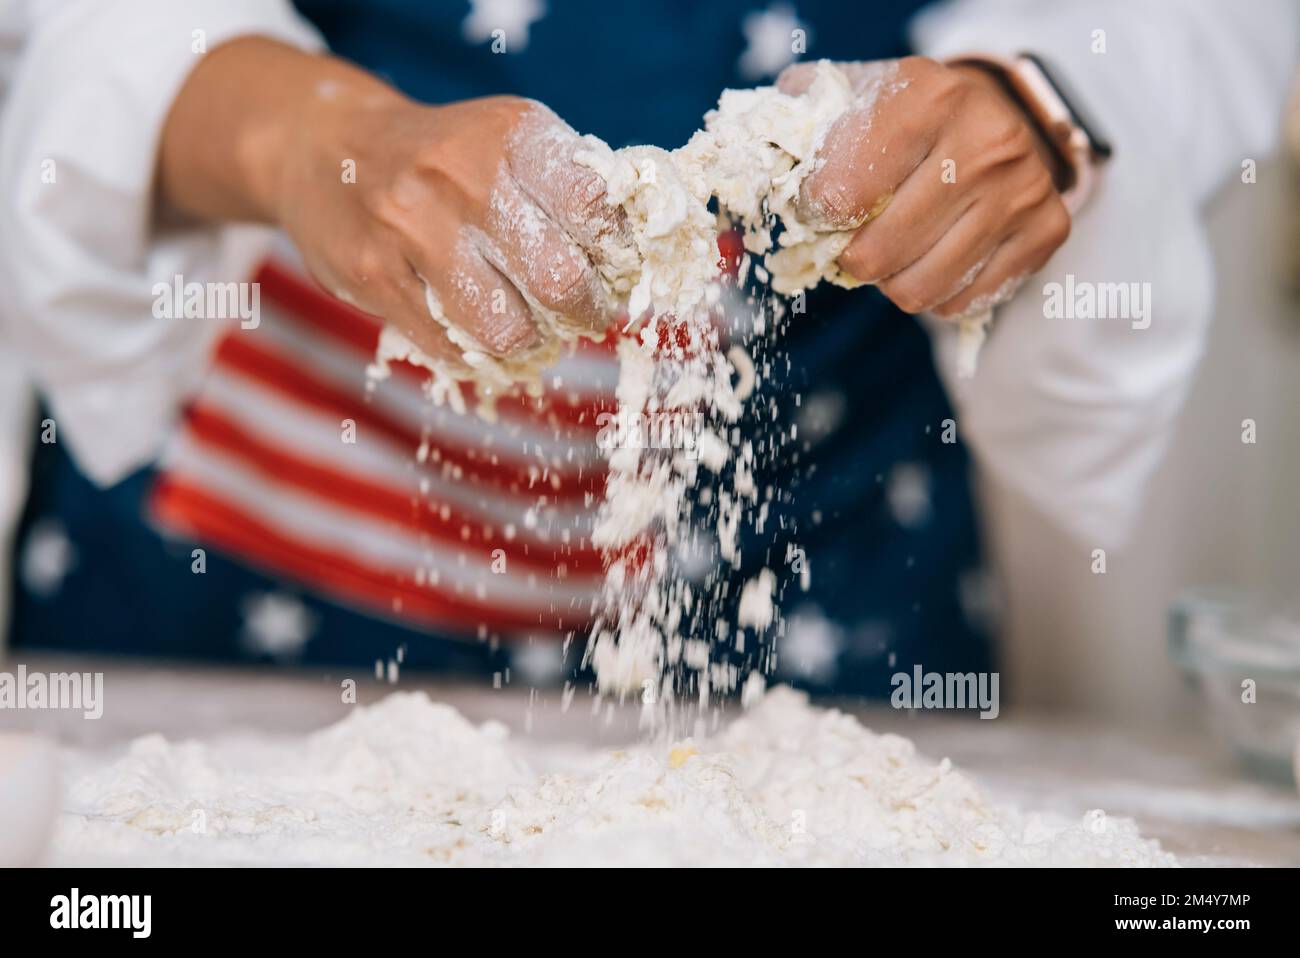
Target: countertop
1180,786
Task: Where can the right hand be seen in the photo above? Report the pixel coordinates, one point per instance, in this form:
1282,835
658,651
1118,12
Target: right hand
951,245
480,199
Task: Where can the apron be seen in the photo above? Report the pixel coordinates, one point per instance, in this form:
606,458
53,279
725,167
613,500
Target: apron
378,551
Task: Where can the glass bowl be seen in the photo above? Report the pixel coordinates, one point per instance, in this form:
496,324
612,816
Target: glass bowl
1246,659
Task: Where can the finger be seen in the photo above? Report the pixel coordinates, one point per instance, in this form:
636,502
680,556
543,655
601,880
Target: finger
472,296
573,195
477,299
952,265
797,78
406,307
864,77
865,157
870,77
376,280
1024,253
921,212
547,266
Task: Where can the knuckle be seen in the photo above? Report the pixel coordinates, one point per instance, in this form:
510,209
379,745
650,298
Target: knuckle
795,78
1036,193
916,67
532,116
505,335
517,106
947,90
368,267
1010,137
943,90
585,196
534,107
1059,224
389,206
1041,188
833,201
863,260
566,285
514,120
907,294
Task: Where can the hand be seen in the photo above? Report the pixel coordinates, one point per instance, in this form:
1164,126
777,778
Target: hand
947,184
480,200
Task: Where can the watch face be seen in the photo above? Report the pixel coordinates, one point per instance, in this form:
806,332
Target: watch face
1099,143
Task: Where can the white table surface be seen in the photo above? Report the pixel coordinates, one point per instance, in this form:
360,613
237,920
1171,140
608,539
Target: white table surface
1180,786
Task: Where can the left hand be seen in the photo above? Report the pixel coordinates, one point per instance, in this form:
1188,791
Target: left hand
946,182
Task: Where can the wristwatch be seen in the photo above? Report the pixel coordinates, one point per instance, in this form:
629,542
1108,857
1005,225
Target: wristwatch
1059,116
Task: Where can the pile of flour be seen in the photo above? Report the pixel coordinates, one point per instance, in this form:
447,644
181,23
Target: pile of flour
411,782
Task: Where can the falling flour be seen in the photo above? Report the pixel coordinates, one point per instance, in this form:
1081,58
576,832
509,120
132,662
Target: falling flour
411,782
750,160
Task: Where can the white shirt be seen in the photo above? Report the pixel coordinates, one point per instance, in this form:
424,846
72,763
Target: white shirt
1075,414
86,87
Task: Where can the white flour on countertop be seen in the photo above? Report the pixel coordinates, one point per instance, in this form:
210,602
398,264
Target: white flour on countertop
410,782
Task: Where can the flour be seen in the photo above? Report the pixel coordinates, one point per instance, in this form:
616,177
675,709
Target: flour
492,376
753,155
395,347
669,264
756,608
751,159
411,782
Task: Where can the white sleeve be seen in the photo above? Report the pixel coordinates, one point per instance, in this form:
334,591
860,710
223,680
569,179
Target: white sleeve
85,97
1075,414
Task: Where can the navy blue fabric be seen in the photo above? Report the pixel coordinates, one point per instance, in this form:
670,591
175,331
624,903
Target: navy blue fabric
127,589
590,59
628,72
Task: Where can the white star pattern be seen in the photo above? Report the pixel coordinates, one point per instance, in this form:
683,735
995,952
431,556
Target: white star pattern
820,415
47,558
908,494
769,38
540,662
811,647
276,624
512,17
